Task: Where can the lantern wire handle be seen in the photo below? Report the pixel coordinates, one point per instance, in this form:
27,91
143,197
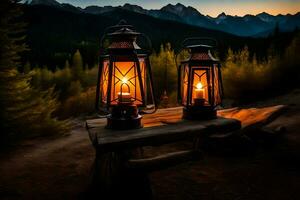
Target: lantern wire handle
153,107
102,116
149,50
176,55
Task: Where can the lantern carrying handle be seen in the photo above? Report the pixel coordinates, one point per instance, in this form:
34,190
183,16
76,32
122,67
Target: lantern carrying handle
103,38
175,57
153,108
149,49
102,111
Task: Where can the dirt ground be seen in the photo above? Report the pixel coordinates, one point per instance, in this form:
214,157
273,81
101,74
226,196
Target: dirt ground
60,168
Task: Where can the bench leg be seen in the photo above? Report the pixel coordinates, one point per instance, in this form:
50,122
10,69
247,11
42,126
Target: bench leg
112,179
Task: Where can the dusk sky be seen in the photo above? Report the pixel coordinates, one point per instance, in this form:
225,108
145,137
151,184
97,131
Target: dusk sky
207,7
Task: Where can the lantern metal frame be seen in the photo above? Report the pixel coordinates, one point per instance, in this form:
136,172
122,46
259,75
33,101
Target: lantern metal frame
200,59
123,48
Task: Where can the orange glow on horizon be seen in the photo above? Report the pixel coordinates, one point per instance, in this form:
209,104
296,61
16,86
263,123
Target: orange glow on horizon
252,8
207,7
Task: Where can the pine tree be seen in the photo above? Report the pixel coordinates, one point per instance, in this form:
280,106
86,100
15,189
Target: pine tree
86,67
46,78
62,79
24,110
164,71
36,79
230,56
75,88
77,66
27,67
67,64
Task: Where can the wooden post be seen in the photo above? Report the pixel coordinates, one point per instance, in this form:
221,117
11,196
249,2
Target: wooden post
112,179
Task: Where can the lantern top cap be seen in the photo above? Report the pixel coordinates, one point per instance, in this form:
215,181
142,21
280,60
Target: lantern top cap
200,46
199,43
123,29
124,36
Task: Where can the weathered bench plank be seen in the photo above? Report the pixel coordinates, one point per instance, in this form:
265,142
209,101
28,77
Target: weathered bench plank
110,140
254,116
247,116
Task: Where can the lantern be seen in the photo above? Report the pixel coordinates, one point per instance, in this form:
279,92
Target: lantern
200,88
124,88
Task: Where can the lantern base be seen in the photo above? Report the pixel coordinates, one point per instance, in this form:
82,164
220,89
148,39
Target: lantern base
124,116
199,113
124,123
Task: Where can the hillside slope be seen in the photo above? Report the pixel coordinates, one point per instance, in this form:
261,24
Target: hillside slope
53,34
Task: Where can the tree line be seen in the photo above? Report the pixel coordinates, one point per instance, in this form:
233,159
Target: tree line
24,110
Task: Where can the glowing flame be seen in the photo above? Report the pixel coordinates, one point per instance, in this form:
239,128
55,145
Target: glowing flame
199,86
124,80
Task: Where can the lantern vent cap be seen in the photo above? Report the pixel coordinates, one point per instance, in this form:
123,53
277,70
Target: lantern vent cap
124,37
199,46
124,31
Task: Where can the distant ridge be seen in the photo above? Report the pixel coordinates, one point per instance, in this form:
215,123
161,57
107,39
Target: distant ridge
249,25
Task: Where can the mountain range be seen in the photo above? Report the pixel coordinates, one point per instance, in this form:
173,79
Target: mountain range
259,25
55,31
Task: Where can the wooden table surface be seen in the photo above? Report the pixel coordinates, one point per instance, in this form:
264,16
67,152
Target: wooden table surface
164,126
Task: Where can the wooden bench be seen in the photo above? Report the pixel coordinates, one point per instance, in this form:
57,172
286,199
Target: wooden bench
120,170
